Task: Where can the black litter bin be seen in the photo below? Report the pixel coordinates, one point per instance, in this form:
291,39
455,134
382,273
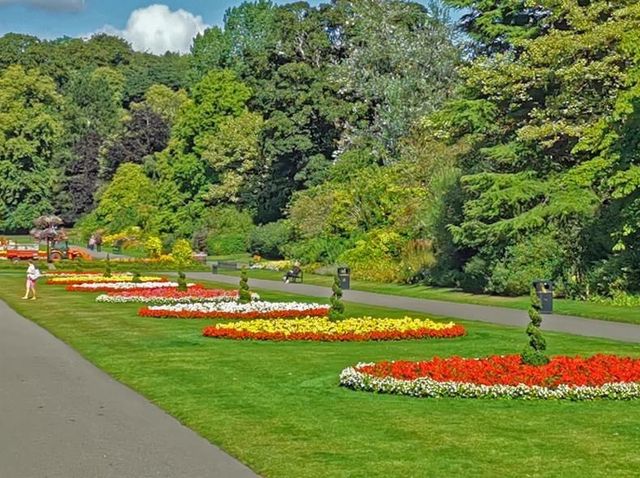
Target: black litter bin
344,277
214,267
544,290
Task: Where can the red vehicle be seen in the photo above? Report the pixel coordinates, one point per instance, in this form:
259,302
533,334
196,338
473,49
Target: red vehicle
59,251
23,252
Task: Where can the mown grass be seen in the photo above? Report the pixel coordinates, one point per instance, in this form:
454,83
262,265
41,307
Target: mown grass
278,407
561,306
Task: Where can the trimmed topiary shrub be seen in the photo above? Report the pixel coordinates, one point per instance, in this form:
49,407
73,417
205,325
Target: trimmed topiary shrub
337,306
533,354
244,294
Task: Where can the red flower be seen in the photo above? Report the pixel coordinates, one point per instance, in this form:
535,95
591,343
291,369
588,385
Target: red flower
509,370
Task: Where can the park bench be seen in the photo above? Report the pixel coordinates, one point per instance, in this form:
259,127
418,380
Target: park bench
296,276
215,265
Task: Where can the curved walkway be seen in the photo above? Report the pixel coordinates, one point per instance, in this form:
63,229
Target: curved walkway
495,315
61,417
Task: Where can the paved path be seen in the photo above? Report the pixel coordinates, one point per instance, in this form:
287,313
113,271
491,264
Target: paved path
482,313
61,417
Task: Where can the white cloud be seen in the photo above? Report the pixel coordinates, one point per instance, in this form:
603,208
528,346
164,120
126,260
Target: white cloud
73,5
156,29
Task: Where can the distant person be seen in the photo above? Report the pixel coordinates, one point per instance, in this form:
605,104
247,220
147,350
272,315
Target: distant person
98,239
92,242
292,273
33,274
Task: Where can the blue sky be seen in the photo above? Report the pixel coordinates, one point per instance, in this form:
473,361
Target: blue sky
156,27
68,17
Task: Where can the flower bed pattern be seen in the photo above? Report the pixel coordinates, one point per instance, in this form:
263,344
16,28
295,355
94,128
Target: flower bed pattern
571,378
120,286
76,279
349,330
233,310
167,295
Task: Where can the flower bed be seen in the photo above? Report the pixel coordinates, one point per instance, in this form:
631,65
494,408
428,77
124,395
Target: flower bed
167,295
120,286
355,329
75,279
233,310
572,378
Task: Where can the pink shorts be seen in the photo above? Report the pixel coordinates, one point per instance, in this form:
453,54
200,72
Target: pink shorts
30,283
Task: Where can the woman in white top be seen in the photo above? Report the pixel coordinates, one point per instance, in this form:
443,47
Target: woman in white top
32,276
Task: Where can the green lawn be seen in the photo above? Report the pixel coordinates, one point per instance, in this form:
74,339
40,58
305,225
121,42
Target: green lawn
277,406
561,306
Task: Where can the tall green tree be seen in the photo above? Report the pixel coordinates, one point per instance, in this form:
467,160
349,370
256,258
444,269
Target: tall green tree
30,128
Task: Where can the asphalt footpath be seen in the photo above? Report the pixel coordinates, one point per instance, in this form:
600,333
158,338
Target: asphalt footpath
482,313
61,417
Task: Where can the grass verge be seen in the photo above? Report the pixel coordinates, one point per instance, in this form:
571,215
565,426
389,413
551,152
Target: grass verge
277,406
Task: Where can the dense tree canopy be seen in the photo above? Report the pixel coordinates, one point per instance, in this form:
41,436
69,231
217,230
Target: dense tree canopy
372,133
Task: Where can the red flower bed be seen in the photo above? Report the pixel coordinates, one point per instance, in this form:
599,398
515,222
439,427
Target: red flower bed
174,293
509,370
455,331
193,314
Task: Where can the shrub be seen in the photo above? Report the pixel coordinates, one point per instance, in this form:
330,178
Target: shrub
474,278
270,240
153,247
533,354
182,252
226,244
323,249
337,306
375,257
539,257
182,282
244,294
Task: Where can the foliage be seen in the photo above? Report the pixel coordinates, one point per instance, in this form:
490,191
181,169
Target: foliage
153,247
336,312
129,200
107,267
181,253
270,240
533,353
244,294
182,282
30,128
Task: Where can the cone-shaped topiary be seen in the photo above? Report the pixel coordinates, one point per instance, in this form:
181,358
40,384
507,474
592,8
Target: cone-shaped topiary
136,277
244,294
107,267
337,306
533,354
182,282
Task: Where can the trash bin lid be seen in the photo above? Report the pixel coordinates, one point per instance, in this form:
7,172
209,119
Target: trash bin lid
343,270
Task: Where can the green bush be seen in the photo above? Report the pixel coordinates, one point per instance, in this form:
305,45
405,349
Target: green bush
474,277
376,257
322,249
227,244
270,240
540,257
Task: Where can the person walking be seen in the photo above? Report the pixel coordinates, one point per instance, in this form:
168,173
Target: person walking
33,274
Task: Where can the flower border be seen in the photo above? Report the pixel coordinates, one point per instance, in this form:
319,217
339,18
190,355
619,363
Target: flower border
352,378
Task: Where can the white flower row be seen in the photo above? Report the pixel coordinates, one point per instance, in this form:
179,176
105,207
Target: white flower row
426,387
235,307
127,285
166,300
